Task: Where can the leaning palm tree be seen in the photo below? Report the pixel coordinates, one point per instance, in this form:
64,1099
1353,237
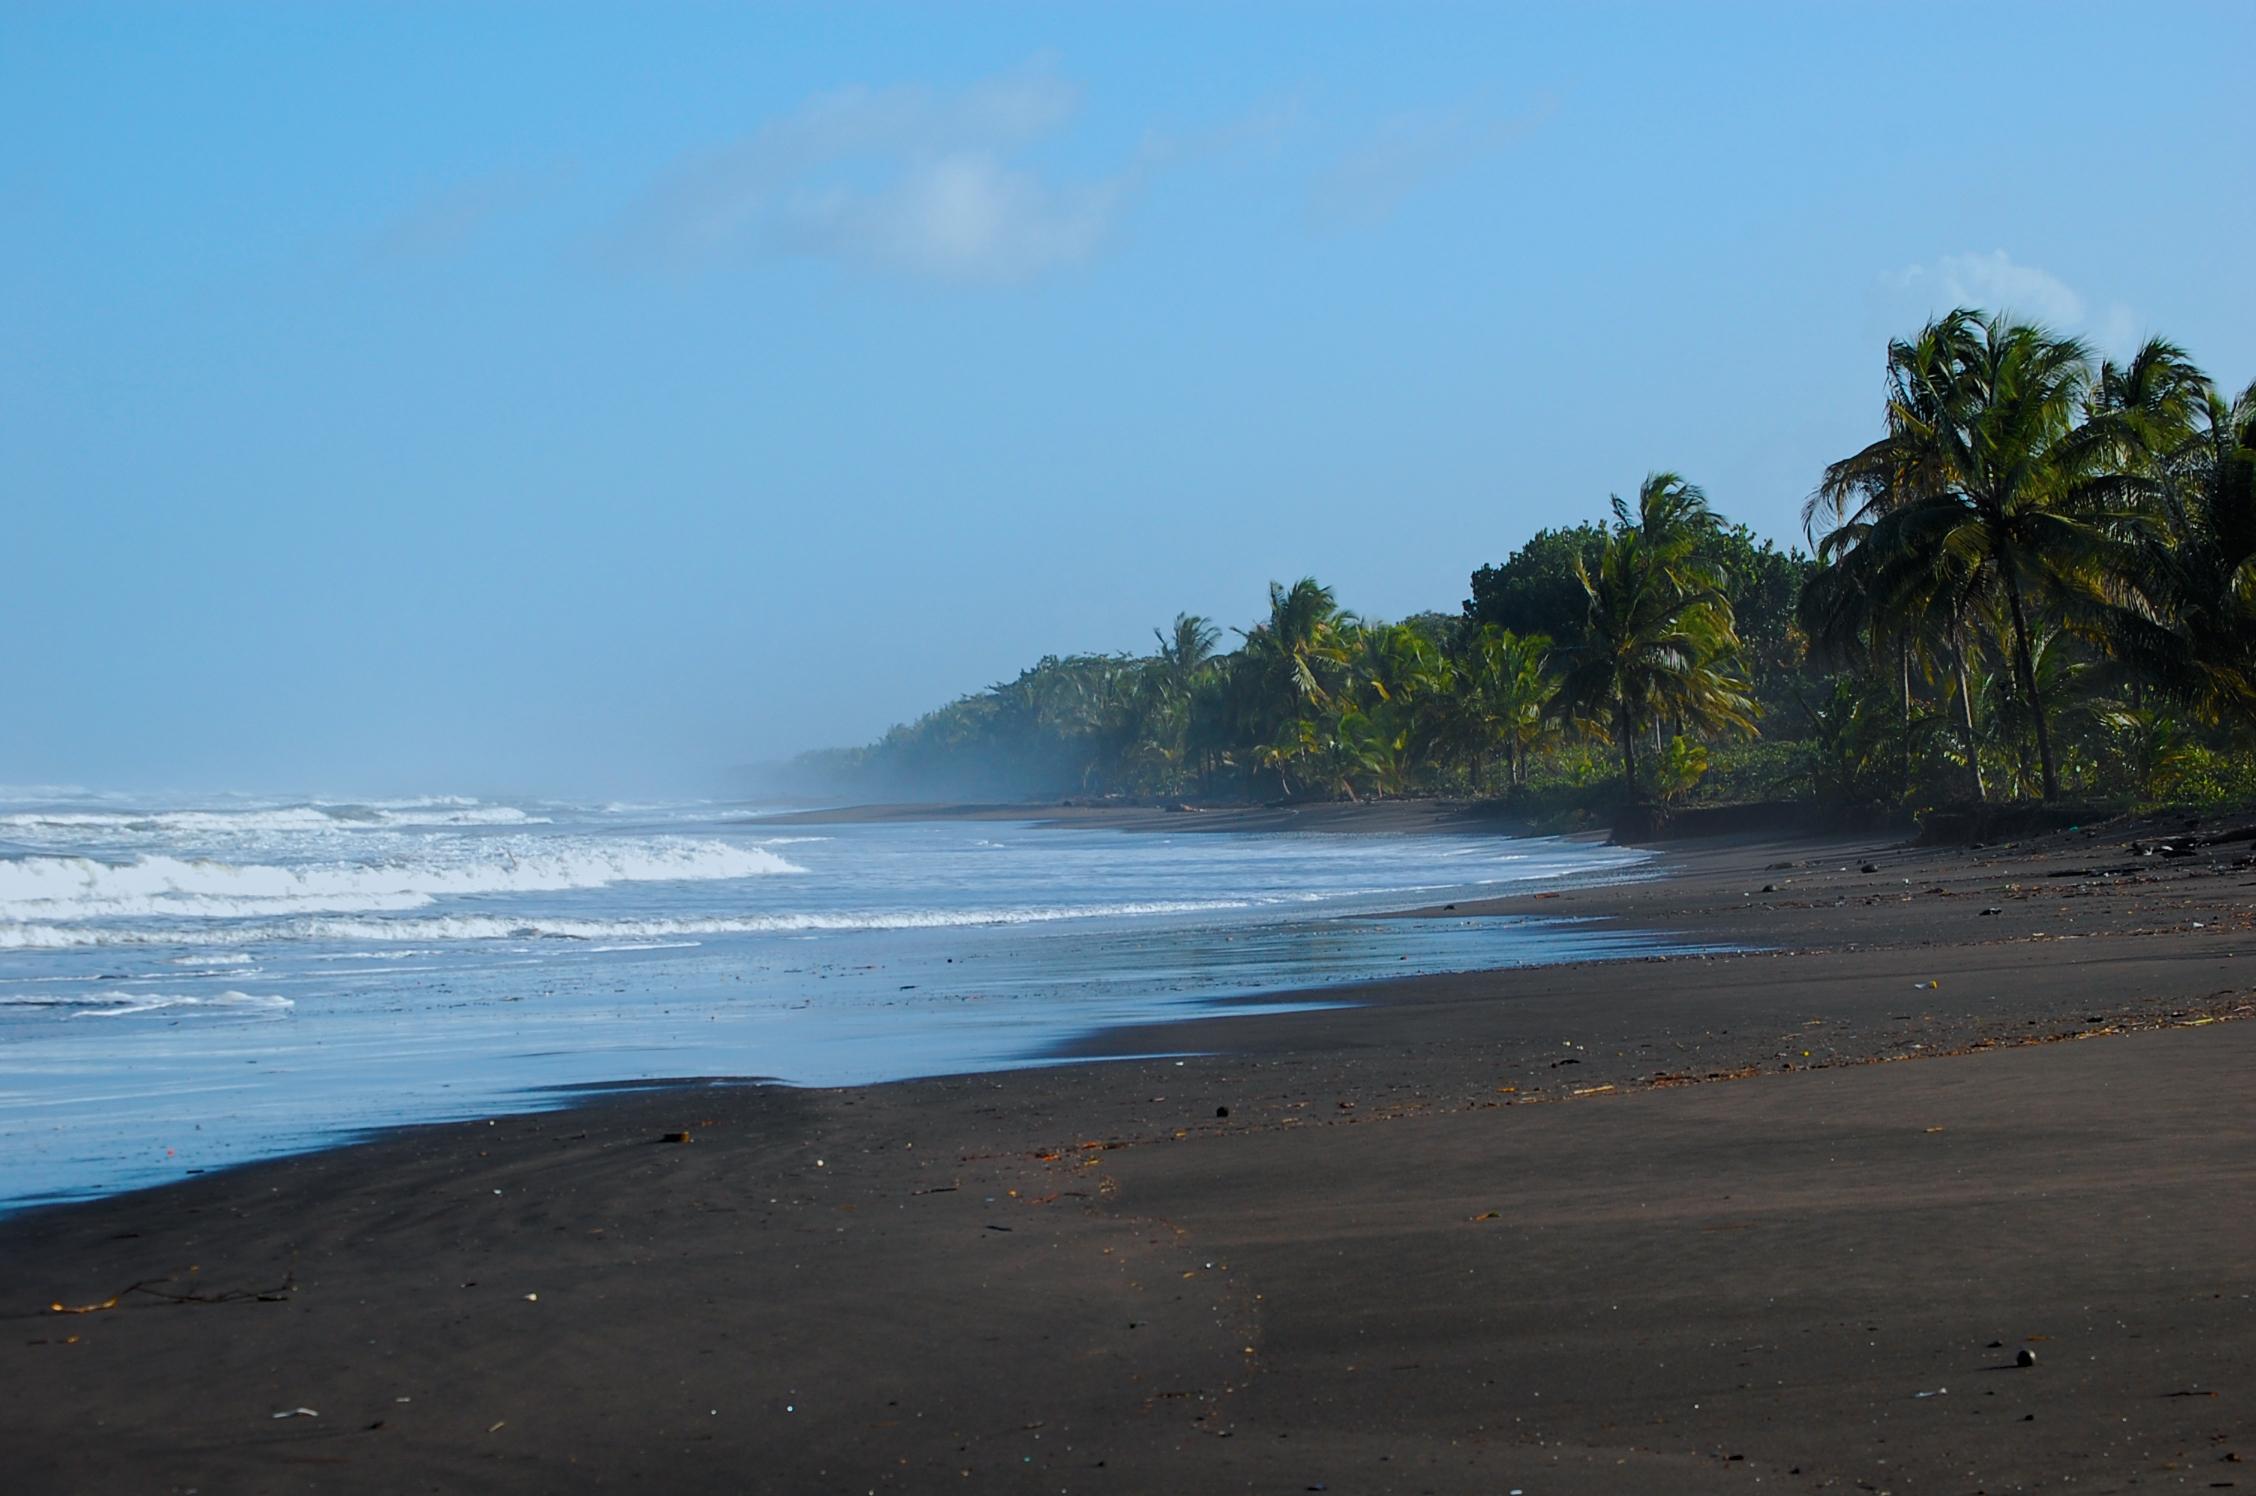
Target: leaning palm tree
1985,454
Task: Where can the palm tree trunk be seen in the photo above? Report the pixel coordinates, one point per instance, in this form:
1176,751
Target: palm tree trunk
2025,669
1966,711
1903,681
1628,738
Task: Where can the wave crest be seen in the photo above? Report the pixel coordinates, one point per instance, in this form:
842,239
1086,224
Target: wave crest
313,816
82,888
439,928
122,1004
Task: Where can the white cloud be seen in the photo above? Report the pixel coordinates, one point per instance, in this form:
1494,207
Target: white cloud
913,180
1995,282
1370,181
962,216
1992,282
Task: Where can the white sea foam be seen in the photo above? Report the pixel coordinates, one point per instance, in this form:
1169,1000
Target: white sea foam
535,927
122,1004
407,955
84,888
315,816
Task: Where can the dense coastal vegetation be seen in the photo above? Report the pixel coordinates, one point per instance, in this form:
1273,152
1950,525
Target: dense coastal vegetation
2038,581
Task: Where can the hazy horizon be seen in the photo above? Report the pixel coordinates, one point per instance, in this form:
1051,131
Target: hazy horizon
575,400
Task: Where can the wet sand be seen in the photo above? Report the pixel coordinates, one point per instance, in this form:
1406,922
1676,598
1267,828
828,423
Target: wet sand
1677,1224
1376,818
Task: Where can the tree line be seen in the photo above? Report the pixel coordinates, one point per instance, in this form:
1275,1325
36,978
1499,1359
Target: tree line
2038,579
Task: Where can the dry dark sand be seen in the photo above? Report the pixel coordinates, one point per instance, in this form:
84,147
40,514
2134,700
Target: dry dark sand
1410,1258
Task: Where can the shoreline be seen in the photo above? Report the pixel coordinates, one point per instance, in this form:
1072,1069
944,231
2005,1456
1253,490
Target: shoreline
1087,1277
1367,817
1179,963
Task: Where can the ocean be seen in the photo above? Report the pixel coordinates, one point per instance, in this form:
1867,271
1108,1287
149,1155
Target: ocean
189,984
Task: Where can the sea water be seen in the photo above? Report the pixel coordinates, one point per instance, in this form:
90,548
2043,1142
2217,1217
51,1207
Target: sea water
189,985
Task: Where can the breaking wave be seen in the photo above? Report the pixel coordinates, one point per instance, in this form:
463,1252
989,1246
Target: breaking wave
313,816
121,1004
507,927
84,888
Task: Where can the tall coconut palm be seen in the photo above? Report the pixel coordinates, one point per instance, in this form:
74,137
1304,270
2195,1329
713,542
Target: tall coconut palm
1888,596
1673,520
1985,454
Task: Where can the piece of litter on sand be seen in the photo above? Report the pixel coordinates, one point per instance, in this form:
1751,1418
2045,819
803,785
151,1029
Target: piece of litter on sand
297,1413
1938,1392
62,1308
532,1298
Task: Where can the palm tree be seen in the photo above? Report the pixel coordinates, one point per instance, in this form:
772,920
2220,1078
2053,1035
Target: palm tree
1289,668
1888,597
1658,640
1677,525
1299,642
1503,695
1985,455
2179,604
1187,646
1165,690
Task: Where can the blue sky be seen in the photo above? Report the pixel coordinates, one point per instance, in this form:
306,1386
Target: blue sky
549,398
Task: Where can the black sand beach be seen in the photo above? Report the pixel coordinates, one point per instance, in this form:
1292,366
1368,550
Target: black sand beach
1691,1224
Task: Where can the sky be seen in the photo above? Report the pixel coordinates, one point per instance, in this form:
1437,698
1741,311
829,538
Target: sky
596,399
